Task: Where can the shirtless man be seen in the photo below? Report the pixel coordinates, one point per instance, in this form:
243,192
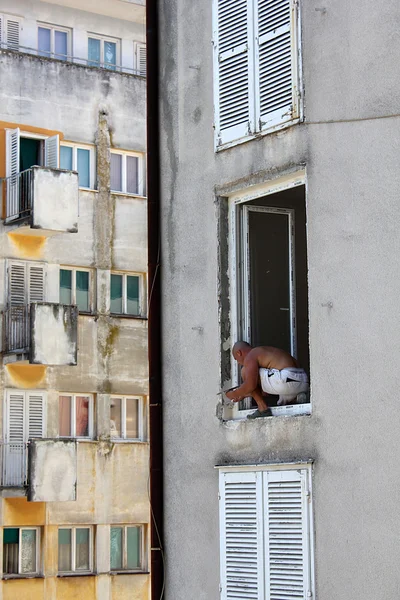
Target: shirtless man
267,370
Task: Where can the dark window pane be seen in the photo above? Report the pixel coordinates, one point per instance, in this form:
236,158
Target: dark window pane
10,550
66,158
64,416
116,172
116,548
44,41
116,294
82,290
64,550
133,551
65,286
60,45
93,52
132,292
82,416
83,167
82,549
132,173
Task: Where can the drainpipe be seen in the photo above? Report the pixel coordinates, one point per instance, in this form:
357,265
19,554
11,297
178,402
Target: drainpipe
154,313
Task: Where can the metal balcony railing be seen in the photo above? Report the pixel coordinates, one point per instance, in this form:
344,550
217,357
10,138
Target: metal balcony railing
14,464
19,195
16,329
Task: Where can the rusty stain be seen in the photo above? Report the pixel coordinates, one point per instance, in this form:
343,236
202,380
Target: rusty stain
26,376
28,246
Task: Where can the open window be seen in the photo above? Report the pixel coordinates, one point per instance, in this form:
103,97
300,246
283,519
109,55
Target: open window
269,281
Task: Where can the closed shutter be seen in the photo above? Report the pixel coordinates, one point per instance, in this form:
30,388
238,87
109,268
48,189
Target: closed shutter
17,295
287,551
241,531
233,59
35,415
15,417
36,278
1,30
12,34
52,152
140,58
276,86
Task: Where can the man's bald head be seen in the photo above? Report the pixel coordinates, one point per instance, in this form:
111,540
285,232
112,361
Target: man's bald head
240,350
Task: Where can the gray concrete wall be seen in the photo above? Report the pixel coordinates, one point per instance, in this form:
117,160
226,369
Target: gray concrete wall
349,144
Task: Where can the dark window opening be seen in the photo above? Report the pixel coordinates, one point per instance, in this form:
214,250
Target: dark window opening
272,268
30,153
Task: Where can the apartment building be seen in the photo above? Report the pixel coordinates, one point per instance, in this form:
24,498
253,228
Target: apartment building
73,265
279,215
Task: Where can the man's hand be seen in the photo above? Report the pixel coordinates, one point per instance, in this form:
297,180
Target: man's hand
233,395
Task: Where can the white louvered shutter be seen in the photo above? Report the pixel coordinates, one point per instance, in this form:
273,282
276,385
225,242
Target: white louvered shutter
141,58
35,415
15,417
287,544
12,153
276,62
17,292
1,30
52,152
12,33
241,535
233,69
36,279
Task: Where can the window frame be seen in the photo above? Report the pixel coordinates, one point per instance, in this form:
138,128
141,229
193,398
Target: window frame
73,570
123,437
236,200
259,474
37,571
53,28
141,527
92,161
92,295
141,172
105,38
142,307
254,126
73,396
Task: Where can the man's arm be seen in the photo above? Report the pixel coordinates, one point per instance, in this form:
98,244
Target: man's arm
251,380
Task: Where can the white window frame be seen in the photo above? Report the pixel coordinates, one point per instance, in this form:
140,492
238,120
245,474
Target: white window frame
73,529
73,270
92,161
38,562
141,569
73,396
235,201
105,38
255,127
141,172
259,473
142,306
53,29
123,399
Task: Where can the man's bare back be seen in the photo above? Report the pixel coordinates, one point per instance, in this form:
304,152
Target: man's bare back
269,357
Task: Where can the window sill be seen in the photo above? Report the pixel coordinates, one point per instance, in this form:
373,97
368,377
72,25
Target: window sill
86,189
85,574
20,576
123,316
257,135
129,572
291,410
117,440
129,195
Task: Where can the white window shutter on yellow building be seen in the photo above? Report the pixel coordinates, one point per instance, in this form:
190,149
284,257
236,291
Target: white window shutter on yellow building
233,71
276,62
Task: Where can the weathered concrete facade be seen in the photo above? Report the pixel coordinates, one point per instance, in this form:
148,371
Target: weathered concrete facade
102,481
346,153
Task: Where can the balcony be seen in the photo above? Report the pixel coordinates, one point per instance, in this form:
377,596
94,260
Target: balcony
14,465
46,333
44,199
